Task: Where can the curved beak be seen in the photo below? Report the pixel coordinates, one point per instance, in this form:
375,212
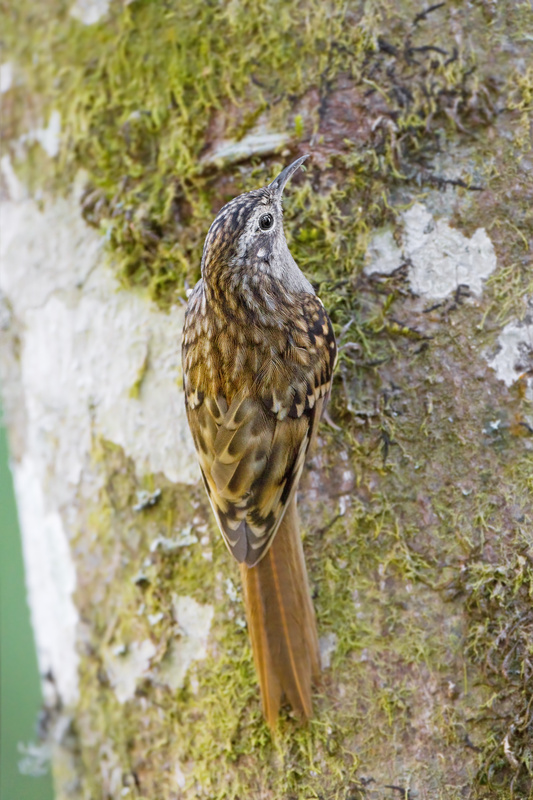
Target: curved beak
278,184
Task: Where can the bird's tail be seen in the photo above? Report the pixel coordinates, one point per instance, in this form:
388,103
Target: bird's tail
281,622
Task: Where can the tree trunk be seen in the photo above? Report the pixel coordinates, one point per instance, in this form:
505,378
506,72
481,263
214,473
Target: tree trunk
126,129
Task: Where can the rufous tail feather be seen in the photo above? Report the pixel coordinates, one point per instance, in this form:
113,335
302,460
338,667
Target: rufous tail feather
281,622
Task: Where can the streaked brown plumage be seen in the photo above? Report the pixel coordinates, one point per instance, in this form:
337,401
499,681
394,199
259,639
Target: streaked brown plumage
258,355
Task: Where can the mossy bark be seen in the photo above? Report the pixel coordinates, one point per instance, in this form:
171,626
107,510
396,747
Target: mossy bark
415,222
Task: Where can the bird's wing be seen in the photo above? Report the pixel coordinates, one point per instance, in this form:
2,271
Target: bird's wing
252,452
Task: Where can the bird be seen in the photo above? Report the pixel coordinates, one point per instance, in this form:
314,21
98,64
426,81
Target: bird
258,354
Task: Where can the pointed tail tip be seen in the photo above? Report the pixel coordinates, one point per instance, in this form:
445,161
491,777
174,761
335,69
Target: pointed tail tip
281,624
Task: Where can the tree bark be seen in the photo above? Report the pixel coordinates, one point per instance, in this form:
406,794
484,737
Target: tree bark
126,129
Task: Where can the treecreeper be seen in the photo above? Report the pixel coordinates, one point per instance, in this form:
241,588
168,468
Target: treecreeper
258,357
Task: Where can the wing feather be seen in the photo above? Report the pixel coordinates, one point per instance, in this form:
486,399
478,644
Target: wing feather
252,449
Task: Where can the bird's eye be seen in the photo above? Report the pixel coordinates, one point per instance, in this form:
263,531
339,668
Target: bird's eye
266,222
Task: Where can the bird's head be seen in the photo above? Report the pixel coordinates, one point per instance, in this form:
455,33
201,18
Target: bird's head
247,233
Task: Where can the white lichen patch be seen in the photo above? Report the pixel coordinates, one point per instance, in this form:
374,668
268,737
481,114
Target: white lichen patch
50,582
183,539
383,256
327,645
87,344
111,772
16,191
89,11
179,777
438,258
194,623
94,362
441,258
127,666
514,357
49,135
256,143
6,76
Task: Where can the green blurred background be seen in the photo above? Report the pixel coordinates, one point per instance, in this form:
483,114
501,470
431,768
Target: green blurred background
20,696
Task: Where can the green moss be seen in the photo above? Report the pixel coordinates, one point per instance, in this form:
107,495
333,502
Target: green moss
138,119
